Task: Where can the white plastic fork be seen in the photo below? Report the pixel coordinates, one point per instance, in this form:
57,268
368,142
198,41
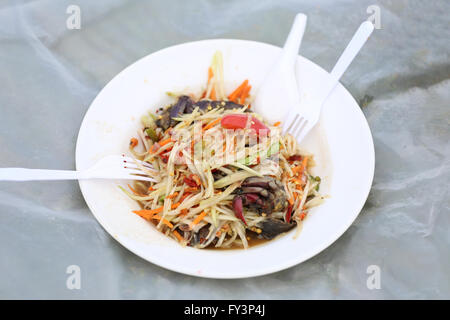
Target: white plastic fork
110,167
303,117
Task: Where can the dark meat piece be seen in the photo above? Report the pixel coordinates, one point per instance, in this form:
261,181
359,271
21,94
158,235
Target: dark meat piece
200,235
213,104
185,105
267,194
270,228
263,194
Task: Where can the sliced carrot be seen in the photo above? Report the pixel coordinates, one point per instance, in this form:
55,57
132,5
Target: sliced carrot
175,205
212,124
185,195
183,212
299,169
210,74
212,95
245,93
147,214
296,169
165,221
276,124
173,195
154,148
133,142
200,217
151,188
237,92
179,237
164,142
291,201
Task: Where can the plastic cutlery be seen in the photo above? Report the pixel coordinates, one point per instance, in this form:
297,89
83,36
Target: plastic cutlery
110,167
279,90
303,117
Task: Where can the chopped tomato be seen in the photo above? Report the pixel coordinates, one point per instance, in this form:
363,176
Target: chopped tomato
239,121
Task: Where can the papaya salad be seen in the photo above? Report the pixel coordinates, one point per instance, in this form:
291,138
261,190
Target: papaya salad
225,177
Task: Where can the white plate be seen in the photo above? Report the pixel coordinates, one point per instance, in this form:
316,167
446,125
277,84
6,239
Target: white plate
342,144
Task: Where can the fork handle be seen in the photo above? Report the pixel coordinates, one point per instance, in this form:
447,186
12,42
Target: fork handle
293,41
22,174
352,49
350,52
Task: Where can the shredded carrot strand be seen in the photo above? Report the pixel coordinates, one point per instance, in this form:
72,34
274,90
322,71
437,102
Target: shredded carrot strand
164,142
291,201
212,95
237,91
276,124
173,195
165,221
210,74
300,168
153,148
185,195
179,237
245,93
198,219
147,214
175,205
212,124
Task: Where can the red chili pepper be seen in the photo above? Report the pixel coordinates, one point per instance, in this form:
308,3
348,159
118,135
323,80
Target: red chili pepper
288,214
295,158
190,182
239,121
238,208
